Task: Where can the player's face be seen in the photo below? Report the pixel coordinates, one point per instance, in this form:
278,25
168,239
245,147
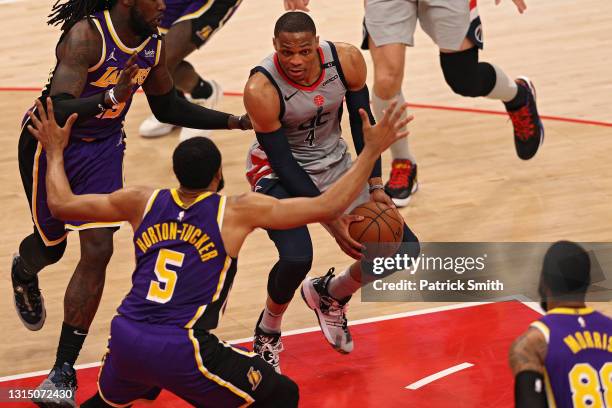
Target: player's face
146,15
298,55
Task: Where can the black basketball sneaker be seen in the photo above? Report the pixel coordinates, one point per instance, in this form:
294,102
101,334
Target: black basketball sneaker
528,128
403,182
58,389
28,300
268,346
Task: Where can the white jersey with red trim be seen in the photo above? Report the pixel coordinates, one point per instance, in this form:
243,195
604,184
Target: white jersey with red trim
310,117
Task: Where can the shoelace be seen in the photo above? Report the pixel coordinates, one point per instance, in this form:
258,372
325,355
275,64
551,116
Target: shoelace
30,296
335,313
271,350
523,124
400,176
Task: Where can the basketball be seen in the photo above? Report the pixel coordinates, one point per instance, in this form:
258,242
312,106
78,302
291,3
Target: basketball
381,224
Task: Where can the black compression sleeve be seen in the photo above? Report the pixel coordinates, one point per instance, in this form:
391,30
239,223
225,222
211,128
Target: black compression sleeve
65,105
291,175
529,390
356,100
169,108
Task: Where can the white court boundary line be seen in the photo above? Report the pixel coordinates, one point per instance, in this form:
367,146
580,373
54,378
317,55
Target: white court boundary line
531,305
431,378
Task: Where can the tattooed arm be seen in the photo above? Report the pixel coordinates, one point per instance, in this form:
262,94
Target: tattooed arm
79,50
527,355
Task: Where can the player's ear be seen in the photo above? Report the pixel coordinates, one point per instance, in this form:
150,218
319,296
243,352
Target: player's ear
317,41
274,44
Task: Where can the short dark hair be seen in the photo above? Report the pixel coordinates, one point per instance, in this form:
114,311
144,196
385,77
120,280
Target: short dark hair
195,162
567,270
294,22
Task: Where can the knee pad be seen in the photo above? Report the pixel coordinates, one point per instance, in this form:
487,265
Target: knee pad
36,255
465,75
286,276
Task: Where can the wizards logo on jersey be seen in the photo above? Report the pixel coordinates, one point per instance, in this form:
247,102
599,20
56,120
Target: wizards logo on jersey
311,125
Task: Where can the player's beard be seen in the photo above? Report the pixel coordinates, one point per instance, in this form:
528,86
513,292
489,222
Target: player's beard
221,184
139,24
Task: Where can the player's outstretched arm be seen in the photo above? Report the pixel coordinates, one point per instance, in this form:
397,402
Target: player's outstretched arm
123,205
169,108
291,5
293,212
527,355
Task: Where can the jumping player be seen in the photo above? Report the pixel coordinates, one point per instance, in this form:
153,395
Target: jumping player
294,99
188,25
186,243
564,359
455,27
106,51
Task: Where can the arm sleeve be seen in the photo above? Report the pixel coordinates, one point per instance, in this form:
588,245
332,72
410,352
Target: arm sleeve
169,108
529,390
356,100
292,176
65,105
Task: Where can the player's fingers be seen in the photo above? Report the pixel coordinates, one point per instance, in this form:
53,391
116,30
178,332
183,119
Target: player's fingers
50,111
350,218
521,6
401,135
497,2
389,112
42,113
365,119
34,132
132,60
398,112
402,123
34,119
71,119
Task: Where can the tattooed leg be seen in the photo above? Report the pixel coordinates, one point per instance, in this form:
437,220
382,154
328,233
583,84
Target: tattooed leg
84,292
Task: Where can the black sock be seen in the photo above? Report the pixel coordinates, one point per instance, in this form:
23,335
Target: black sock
70,345
202,90
519,100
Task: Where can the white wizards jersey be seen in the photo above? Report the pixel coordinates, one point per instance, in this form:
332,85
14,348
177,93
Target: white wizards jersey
310,117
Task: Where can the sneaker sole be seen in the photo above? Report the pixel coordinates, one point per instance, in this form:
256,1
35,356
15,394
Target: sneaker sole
402,202
307,295
30,326
533,92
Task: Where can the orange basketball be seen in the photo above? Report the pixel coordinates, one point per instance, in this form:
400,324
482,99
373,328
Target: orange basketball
381,224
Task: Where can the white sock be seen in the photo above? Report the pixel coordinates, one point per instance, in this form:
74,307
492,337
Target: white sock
505,88
399,149
343,285
270,322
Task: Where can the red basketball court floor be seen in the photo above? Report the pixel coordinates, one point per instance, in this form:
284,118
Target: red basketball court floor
453,356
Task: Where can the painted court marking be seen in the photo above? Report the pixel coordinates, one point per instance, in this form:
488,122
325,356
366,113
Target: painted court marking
288,333
440,374
410,105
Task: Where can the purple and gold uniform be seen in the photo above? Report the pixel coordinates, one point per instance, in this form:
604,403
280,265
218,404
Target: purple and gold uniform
578,365
160,338
207,16
94,156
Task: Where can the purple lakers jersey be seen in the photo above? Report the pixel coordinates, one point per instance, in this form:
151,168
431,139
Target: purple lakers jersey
105,74
579,357
183,274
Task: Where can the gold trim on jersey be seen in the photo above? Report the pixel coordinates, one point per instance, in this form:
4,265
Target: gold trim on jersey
117,40
237,350
571,311
47,241
198,357
196,13
103,56
550,397
92,225
542,328
150,203
197,315
226,266
221,211
159,45
180,203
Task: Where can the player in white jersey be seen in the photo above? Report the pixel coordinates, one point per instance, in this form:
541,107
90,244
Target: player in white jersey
295,101
455,27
